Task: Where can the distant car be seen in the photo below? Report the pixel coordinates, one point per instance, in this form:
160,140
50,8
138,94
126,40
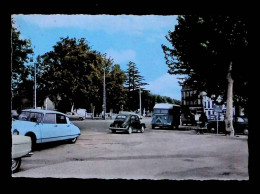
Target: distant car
14,114
21,147
240,125
75,116
128,122
45,126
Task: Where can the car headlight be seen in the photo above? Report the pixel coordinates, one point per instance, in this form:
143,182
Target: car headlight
15,132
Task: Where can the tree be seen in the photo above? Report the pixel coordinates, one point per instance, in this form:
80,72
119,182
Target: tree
20,52
212,51
133,83
71,75
115,90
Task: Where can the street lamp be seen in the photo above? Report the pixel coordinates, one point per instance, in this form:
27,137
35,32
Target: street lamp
140,105
35,86
104,92
31,60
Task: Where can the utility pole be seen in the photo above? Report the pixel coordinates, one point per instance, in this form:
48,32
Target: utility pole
140,105
104,92
35,106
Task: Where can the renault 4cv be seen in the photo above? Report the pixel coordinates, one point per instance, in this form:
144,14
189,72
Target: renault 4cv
128,122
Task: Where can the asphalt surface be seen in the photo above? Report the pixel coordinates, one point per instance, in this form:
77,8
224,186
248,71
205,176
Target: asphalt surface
156,154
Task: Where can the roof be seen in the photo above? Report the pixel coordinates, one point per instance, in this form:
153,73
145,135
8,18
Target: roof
43,111
165,105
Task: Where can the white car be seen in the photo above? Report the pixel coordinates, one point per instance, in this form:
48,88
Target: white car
74,116
21,147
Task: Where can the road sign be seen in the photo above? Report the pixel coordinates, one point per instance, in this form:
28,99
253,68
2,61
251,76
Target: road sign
218,108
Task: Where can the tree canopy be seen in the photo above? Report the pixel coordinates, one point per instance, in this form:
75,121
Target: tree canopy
203,47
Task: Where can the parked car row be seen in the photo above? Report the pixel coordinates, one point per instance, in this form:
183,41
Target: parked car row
34,126
240,125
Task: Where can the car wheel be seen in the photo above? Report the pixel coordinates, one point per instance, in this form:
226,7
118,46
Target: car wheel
33,140
113,131
130,130
245,132
142,129
16,163
80,118
153,126
213,130
73,140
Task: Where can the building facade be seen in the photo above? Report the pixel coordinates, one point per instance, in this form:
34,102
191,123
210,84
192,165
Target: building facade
197,102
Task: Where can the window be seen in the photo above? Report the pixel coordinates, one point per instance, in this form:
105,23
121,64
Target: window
164,111
132,118
49,118
61,119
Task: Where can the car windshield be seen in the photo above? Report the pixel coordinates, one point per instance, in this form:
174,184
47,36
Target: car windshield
121,117
30,116
162,111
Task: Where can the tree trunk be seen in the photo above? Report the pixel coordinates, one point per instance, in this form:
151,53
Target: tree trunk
229,110
72,107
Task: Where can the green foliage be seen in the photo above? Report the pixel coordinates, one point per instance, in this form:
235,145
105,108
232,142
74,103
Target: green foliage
20,51
115,91
133,83
203,47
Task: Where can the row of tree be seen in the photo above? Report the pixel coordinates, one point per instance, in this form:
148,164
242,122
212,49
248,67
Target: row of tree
72,75
212,51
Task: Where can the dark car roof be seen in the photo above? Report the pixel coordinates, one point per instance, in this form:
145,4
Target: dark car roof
127,113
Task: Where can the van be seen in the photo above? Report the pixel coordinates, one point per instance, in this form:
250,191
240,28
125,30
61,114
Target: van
166,115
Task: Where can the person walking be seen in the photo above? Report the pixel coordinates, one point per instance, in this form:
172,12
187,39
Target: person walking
203,120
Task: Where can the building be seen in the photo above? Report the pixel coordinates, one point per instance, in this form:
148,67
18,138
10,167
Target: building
195,102
191,100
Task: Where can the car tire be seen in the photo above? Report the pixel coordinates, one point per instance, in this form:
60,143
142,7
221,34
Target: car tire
245,131
33,140
130,130
16,163
213,130
153,126
80,118
113,131
142,129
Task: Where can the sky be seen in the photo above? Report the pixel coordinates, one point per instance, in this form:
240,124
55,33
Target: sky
124,38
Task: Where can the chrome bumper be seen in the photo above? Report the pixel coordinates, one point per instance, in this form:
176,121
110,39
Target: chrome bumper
117,128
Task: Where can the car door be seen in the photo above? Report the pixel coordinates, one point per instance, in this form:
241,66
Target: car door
54,127
63,126
132,121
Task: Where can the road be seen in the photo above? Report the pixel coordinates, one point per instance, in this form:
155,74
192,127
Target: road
155,154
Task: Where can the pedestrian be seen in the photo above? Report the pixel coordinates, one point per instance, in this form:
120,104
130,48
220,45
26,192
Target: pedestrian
203,120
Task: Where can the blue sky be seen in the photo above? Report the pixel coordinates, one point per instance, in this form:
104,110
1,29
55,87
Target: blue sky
123,37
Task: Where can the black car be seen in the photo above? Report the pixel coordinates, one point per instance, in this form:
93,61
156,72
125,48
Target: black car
240,125
128,122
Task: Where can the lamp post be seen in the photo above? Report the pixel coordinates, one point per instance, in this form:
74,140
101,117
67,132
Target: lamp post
140,105
35,106
104,92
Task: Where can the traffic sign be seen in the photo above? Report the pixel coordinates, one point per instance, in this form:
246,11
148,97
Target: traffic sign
218,108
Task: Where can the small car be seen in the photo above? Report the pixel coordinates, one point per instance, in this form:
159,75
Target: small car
45,126
21,147
74,116
128,122
240,125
